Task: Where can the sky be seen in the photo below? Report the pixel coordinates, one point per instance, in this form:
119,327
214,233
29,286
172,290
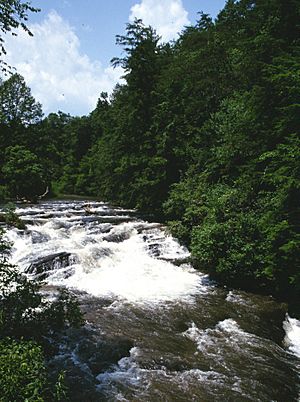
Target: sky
67,61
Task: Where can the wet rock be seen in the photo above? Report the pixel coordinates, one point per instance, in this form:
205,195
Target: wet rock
103,355
154,249
38,237
39,221
102,228
148,226
177,261
117,237
106,219
101,252
45,265
27,212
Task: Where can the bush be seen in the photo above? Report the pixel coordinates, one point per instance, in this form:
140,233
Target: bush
28,323
4,195
22,371
11,218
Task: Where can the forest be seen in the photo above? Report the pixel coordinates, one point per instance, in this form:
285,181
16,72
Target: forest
202,135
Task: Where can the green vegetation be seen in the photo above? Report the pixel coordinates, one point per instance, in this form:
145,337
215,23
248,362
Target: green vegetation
28,325
10,218
203,134
23,173
13,14
24,362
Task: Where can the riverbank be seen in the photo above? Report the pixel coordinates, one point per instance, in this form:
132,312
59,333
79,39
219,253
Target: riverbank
155,326
292,299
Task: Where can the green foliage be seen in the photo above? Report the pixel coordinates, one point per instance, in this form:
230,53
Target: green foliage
3,193
245,232
10,217
22,371
25,313
23,173
60,390
29,323
23,374
13,14
202,133
17,105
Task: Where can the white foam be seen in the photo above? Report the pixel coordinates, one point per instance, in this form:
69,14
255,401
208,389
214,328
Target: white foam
128,373
234,297
230,326
204,339
292,337
122,270
130,273
125,372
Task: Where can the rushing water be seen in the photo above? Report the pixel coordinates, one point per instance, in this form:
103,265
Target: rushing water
156,329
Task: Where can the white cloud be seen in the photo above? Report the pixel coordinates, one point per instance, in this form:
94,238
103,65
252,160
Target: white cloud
168,17
59,74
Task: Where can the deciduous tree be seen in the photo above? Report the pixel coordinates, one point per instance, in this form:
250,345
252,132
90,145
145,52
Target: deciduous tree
13,14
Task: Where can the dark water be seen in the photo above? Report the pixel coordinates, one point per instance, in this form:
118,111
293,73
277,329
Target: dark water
156,329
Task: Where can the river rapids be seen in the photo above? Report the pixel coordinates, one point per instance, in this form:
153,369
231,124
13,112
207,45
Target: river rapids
155,328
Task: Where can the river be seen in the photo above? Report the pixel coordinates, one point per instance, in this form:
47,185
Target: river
156,329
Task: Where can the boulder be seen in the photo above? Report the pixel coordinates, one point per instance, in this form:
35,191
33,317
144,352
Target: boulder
44,265
117,237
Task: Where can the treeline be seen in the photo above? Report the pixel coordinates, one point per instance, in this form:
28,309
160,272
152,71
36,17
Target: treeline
202,134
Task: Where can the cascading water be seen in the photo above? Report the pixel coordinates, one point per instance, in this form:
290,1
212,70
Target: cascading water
156,329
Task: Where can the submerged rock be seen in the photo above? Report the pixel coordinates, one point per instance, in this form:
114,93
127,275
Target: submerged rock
38,237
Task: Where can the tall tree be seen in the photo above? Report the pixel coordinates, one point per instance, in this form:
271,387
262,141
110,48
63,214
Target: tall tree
136,168
23,173
17,105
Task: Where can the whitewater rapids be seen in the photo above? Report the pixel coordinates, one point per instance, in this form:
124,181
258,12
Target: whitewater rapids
156,328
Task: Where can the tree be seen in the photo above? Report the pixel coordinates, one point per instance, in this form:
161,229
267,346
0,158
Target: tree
23,173
13,14
17,106
134,175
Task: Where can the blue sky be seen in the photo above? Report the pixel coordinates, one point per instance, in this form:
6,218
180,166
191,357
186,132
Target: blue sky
67,62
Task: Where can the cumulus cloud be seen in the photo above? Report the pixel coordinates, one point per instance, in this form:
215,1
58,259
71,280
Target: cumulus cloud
168,17
59,74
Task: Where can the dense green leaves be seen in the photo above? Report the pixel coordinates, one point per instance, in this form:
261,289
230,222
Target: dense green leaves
23,173
22,371
17,105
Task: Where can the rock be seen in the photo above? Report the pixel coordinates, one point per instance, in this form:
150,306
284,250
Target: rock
43,266
106,219
100,228
144,227
101,252
117,237
177,261
38,237
154,249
